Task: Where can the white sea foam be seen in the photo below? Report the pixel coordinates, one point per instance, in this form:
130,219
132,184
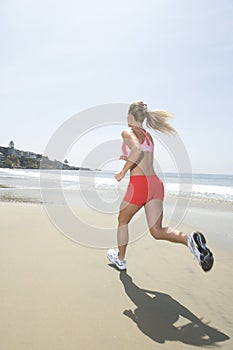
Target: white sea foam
18,173
204,191
218,187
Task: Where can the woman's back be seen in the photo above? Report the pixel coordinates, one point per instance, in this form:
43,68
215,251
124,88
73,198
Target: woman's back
144,165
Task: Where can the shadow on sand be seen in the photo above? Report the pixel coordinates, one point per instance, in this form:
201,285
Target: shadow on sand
156,314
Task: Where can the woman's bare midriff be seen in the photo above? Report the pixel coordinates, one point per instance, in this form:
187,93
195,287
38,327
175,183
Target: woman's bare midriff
145,166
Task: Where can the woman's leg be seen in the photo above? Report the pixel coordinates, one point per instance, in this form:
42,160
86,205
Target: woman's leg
127,211
154,215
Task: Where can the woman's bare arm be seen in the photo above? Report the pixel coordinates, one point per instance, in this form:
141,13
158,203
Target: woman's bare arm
134,156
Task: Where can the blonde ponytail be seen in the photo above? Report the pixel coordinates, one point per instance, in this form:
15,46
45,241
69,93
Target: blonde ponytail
157,120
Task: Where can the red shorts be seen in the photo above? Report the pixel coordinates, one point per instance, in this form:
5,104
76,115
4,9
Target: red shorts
142,189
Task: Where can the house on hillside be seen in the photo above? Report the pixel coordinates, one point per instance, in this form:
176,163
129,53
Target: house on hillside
2,157
12,151
30,155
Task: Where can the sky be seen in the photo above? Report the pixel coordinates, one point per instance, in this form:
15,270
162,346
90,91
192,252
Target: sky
61,57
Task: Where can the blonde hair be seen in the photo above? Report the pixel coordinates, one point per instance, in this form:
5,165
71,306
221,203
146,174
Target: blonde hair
155,119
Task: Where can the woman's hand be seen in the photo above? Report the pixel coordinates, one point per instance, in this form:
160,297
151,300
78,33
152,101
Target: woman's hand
119,176
123,157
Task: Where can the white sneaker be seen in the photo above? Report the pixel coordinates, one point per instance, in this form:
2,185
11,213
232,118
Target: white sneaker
112,255
197,245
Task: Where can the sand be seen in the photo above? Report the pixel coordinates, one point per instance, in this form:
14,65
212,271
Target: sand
57,294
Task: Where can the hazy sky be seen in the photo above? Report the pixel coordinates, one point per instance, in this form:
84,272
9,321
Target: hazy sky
59,57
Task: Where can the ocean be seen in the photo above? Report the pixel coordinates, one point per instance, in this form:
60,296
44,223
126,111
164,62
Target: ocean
29,185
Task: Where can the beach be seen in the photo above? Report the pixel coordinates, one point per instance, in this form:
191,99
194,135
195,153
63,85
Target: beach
92,91
59,294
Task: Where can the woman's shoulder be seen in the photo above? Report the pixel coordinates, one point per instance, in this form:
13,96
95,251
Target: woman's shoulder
150,136
126,133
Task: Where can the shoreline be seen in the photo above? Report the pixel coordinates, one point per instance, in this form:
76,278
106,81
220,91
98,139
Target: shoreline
194,200
13,199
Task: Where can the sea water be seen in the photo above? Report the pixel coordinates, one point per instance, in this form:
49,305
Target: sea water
30,184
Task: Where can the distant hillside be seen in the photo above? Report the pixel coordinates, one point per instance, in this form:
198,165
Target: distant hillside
10,157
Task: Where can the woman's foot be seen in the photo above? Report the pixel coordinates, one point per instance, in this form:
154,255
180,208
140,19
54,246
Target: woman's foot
112,255
197,245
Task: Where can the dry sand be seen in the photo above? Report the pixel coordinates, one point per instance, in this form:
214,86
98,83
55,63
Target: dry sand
57,294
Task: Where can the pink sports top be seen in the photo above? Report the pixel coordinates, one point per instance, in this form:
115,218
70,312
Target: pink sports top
146,146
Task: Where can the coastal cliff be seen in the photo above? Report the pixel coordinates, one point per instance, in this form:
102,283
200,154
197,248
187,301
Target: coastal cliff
10,157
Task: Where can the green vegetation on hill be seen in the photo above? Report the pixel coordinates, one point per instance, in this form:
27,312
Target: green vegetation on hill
20,162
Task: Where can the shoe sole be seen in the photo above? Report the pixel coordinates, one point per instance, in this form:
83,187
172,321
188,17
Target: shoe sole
206,256
111,259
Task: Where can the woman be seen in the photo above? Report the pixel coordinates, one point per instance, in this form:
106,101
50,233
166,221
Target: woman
146,189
